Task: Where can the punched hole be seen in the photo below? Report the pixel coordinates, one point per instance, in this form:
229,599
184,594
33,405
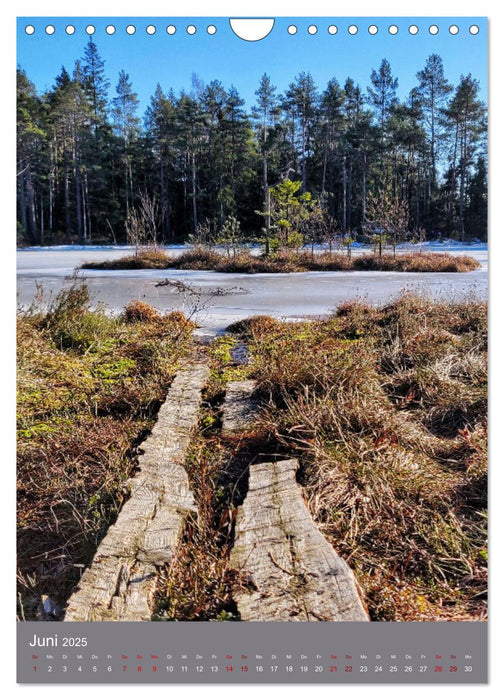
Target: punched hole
170,29
90,29
130,29
312,29
454,29
50,29
30,29
393,29
110,29
332,29
251,28
191,29
353,29
474,29
373,29
433,29
211,29
292,29
150,29
413,29
70,29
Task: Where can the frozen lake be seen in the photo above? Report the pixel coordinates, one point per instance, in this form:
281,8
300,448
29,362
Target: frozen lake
216,299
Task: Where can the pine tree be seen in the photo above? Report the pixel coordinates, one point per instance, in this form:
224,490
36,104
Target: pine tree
161,131
382,94
302,99
465,115
126,125
266,112
432,91
30,143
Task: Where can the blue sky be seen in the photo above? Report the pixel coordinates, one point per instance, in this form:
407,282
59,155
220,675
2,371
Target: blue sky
172,59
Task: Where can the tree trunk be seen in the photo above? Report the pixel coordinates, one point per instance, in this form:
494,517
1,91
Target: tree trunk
324,168
303,155
349,195
194,202
78,203
453,178
32,215
22,202
364,185
463,167
41,219
67,204
344,195
51,202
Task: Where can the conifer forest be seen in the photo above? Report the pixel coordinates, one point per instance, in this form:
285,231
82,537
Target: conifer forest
88,157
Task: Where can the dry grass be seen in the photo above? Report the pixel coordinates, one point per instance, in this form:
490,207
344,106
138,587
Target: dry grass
145,260
386,409
89,387
197,584
288,261
416,262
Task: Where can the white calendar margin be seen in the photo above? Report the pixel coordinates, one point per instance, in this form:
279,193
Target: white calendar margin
257,8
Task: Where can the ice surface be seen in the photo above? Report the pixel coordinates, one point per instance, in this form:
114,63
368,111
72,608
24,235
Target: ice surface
216,299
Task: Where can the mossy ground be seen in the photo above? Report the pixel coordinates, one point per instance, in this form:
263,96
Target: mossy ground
89,387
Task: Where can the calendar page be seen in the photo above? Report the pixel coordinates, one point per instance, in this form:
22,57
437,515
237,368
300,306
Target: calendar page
252,350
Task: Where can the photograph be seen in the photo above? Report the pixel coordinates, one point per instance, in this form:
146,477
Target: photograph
251,320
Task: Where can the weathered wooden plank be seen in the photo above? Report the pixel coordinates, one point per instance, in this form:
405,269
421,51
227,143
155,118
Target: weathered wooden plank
240,409
120,583
291,571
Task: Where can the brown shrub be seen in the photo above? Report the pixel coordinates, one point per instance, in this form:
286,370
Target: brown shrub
176,317
140,312
199,258
255,325
285,261
144,260
416,262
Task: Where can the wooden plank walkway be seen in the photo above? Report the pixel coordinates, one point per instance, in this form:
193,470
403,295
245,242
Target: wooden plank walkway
120,583
239,410
291,572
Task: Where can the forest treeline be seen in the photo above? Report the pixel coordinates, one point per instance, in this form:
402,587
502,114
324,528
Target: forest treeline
86,157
